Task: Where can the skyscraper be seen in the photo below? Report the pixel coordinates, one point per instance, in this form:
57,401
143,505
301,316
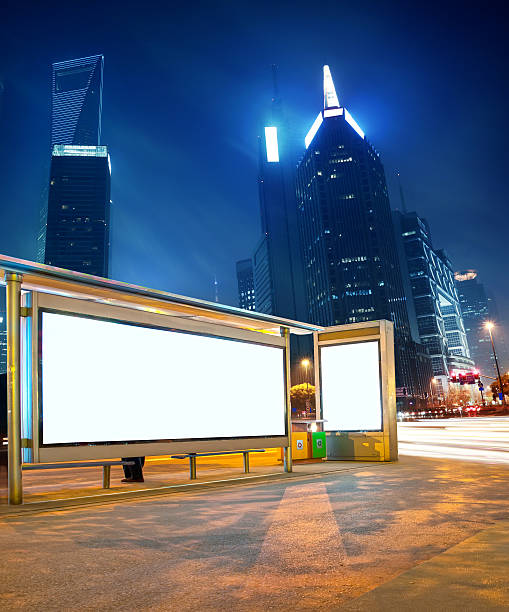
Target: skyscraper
77,101
278,274
435,299
78,221
351,265
478,308
75,224
245,283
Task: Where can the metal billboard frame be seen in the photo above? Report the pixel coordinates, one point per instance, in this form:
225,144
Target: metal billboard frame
385,440
32,286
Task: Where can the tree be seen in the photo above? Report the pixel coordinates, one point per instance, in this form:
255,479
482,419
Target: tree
457,396
495,386
298,396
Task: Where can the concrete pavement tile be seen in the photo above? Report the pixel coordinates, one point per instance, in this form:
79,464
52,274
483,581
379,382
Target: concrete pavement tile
473,575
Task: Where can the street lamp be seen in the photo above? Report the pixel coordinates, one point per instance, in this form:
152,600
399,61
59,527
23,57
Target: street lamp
489,326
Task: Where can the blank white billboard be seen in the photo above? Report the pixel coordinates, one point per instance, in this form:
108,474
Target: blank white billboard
350,387
109,382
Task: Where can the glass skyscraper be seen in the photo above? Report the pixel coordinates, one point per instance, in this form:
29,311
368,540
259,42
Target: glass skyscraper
75,225
351,265
77,101
278,276
78,221
436,303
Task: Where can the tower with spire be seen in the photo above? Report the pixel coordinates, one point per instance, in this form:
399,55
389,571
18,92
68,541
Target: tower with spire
351,265
277,264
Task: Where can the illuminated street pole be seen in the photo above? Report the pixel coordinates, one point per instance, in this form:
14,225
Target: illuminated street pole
13,281
489,326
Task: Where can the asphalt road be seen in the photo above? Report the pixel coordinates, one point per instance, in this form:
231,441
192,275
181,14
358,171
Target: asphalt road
305,543
482,439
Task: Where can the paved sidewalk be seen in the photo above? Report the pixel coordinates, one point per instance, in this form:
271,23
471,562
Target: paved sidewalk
52,489
420,534
473,575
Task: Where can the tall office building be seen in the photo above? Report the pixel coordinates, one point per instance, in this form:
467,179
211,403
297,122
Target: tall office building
245,283
77,101
478,308
78,221
435,299
277,261
75,224
351,265
278,274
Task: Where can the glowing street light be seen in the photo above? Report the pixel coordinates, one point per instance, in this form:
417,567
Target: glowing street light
305,363
489,326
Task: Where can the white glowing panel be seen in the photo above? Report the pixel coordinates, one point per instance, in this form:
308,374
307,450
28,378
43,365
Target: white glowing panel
332,112
330,98
110,382
353,123
314,129
271,144
351,399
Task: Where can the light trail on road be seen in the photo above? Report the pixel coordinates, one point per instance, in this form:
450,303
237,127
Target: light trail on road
484,439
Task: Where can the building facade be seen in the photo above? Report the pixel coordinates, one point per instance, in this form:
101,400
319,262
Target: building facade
75,220
245,283
78,222
277,263
351,265
77,101
478,308
436,302
278,274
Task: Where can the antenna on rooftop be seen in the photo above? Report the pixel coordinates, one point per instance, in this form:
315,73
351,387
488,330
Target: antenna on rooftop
401,195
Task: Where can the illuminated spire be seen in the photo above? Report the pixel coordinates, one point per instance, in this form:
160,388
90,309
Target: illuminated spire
330,99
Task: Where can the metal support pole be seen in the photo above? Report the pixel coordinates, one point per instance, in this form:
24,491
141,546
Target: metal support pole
246,462
288,463
106,476
192,467
13,281
498,369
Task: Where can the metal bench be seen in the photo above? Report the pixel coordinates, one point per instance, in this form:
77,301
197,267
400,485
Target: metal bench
106,466
192,459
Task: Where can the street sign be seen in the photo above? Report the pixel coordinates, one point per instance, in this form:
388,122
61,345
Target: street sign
500,396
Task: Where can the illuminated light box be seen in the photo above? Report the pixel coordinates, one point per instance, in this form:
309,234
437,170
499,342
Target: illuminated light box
105,381
350,386
271,144
332,112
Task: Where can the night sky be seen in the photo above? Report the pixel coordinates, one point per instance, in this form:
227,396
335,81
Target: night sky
187,89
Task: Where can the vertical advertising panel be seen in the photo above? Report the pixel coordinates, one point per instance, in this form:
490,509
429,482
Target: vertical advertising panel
350,386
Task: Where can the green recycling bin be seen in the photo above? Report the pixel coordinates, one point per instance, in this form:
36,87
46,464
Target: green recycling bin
318,444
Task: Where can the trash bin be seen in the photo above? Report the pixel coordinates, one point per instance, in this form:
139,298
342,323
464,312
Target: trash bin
317,444
300,446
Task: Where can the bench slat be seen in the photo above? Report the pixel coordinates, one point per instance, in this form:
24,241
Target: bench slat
187,455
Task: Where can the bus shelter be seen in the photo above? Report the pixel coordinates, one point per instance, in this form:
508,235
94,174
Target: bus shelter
98,369
356,390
